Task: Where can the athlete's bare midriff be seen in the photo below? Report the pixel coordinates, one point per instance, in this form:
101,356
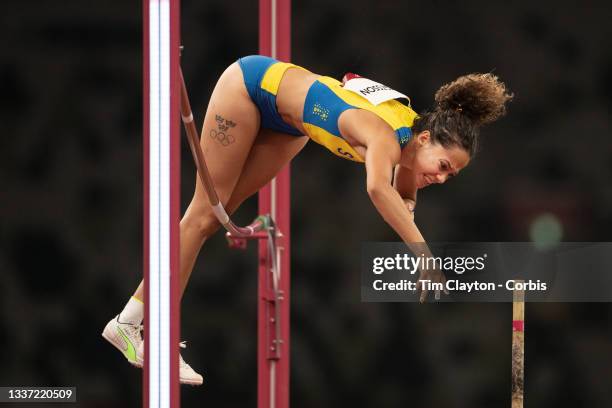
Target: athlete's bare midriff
291,95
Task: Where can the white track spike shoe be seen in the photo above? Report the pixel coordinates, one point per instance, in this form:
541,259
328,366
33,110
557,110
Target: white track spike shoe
187,375
126,338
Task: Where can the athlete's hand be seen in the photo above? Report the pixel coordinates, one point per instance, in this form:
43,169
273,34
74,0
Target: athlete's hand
426,279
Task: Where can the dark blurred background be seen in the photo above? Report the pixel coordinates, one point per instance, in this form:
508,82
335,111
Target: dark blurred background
71,203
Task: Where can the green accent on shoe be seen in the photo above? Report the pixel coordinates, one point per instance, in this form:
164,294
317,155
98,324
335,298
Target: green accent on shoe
130,353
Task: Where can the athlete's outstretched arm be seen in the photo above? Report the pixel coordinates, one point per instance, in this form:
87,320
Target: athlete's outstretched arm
380,162
382,155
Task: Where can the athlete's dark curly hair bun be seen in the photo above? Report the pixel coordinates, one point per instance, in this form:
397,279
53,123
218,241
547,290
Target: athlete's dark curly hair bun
462,107
480,97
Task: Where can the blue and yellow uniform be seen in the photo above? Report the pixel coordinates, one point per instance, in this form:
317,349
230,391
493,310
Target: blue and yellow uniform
325,101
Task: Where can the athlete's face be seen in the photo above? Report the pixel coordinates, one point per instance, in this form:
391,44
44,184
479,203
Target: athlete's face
435,164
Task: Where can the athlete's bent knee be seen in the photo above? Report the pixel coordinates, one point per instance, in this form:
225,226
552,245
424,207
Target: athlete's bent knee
205,222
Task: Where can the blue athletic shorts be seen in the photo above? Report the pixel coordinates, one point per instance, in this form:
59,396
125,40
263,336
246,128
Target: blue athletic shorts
262,77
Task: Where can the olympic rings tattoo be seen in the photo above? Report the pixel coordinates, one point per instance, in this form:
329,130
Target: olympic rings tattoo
221,135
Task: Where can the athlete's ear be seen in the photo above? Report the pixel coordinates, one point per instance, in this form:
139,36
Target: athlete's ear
423,138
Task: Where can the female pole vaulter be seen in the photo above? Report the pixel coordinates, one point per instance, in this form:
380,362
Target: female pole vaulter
261,114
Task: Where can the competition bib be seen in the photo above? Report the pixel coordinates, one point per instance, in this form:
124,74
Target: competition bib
376,93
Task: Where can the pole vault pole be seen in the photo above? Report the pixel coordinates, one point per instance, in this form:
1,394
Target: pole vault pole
518,346
273,347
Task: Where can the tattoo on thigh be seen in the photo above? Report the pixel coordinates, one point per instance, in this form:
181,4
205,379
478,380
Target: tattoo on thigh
221,134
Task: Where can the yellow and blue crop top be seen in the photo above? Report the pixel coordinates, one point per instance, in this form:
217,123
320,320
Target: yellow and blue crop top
327,99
